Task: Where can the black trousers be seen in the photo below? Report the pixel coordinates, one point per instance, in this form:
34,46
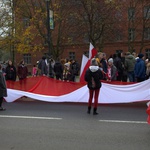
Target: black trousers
1,101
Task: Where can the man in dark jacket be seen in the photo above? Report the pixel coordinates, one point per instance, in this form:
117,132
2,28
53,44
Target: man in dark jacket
93,76
42,65
119,65
58,69
140,72
3,89
74,70
10,71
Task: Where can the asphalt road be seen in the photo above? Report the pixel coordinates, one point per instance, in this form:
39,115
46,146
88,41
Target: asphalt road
35,125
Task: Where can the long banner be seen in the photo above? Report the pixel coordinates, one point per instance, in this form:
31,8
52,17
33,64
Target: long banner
51,90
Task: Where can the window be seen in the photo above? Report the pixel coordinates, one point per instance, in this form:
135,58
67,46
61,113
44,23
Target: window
147,33
131,13
27,58
26,22
147,12
131,34
71,55
147,53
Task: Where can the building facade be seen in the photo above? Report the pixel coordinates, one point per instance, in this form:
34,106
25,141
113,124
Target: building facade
128,31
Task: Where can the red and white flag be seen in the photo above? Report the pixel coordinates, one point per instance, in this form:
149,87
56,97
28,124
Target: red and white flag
86,61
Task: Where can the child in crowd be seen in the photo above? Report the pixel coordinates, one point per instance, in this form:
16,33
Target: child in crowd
34,71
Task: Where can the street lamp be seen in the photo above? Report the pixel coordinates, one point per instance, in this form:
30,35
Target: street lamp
50,72
48,26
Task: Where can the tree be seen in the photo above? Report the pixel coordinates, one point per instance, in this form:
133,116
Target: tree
31,29
93,21
5,29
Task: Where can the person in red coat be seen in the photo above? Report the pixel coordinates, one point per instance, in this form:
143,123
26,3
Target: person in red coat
93,76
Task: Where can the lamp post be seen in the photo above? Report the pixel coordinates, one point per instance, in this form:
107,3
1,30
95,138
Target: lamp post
50,72
48,26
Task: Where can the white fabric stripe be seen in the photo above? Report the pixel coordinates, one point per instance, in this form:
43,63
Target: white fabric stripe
83,64
30,117
121,121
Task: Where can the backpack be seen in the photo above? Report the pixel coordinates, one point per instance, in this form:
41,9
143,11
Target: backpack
40,64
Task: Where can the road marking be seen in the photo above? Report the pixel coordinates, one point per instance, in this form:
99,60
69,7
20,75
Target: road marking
121,121
30,117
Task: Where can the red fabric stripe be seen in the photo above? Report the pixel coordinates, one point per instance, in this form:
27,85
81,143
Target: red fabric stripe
49,86
84,70
94,53
24,85
52,87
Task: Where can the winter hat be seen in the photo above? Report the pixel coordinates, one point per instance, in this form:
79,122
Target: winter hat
136,58
110,60
140,55
94,62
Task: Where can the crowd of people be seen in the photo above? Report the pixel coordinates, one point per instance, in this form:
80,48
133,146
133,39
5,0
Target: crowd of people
117,67
124,67
64,69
